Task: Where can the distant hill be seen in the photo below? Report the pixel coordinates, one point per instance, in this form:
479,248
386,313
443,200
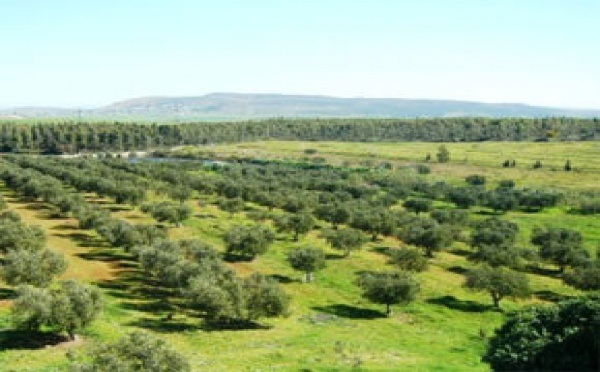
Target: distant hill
244,106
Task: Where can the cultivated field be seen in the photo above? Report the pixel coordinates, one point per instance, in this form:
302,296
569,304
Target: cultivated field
330,326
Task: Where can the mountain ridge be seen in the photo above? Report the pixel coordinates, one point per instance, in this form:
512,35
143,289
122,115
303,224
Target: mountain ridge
253,105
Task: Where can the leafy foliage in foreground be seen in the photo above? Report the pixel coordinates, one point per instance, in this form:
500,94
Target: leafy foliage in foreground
564,337
137,351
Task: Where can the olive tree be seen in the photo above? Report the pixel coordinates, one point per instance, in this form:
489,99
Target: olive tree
69,307
248,241
388,288
560,246
308,260
585,277
346,240
37,268
418,205
407,259
74,306
227,299
297,223
137,351
498,282
15,235
32,307
427,234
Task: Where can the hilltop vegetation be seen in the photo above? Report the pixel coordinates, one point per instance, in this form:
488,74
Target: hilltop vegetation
225,106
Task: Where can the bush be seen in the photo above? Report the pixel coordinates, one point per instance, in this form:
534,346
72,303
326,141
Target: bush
417,205
506,184
423,169
563,337
443,155
476,180
590,207
584,278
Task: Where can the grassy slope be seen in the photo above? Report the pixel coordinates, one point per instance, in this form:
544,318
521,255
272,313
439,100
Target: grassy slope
441,330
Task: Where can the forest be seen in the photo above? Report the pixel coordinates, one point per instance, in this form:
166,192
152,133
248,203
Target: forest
74,136
254,261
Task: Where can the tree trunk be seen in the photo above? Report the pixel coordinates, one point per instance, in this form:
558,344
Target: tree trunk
429,253
296,236
374,237
496,300
71,333
388,310
308,277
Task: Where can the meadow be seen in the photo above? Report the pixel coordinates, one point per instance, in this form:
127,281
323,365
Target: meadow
466,158
330,326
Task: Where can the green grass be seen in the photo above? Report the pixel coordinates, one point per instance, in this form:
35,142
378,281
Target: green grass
330,326
466,158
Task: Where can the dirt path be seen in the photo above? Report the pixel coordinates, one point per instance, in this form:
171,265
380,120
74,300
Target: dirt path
82,249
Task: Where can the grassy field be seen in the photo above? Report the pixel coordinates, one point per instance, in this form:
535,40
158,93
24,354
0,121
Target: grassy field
331,327
466,158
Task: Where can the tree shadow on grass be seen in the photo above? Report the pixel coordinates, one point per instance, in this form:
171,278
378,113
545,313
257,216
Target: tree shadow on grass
162,325
537,270
128,285
458,270
148,306
34,206
119,208
283,279
350,312
230,257
108,255
483,212
550,296
63,226
28,340
7,294
84,240
242,325
453,303
382,250
460,252
333,256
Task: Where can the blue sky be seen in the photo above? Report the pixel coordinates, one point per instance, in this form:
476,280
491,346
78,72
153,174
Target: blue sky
94,52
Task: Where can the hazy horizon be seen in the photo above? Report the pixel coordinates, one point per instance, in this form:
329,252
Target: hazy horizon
97,106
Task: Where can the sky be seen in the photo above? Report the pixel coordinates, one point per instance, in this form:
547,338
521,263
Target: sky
77,53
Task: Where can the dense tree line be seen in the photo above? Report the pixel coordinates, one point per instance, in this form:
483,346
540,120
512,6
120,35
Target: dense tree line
72,137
